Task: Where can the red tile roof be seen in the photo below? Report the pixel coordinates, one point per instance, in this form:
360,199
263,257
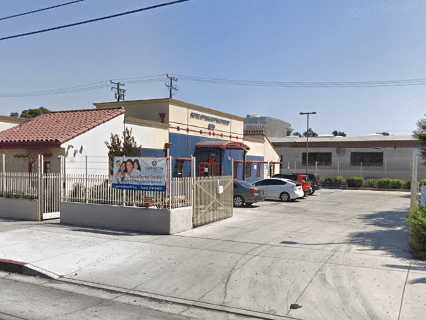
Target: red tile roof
56,128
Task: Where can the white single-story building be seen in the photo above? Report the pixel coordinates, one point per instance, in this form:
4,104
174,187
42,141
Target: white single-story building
372,156
71,134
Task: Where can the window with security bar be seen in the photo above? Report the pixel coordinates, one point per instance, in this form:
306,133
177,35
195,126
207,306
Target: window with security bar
367,159
319,158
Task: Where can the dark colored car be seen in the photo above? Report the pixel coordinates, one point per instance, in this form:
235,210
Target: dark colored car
314,180
297,177
245,194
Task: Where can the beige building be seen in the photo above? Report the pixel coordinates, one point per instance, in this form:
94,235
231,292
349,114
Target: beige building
214,137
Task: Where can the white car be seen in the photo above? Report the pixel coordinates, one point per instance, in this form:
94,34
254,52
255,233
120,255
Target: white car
280,189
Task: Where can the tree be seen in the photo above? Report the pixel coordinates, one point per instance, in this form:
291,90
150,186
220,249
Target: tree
297,134
420,133
310,133
289,131
337,133
32,113
14,114
124,145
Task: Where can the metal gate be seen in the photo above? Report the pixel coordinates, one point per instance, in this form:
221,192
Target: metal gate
49,195
212,200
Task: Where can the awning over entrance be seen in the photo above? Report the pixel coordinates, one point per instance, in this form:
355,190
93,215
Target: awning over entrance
220,144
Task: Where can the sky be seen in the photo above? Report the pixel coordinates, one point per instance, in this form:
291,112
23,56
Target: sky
273,40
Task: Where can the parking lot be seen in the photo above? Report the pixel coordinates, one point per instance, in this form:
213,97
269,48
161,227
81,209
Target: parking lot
335,255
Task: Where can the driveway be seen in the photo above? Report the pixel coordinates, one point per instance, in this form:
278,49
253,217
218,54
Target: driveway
336,255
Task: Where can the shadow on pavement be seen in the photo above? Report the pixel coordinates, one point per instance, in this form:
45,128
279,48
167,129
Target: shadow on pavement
391,234
106,232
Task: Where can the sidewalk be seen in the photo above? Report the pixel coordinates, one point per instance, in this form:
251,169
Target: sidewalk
262,260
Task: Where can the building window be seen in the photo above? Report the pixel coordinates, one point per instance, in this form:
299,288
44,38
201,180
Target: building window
248,170
369,159
320,158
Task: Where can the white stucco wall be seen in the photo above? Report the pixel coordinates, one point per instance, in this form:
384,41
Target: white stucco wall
92,145
149,137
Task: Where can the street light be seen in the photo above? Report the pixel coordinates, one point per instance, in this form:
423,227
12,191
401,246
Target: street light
307,114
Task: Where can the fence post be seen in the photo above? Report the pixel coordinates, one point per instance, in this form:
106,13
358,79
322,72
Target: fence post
64,178
170,181
414,182
3,156
193,175
85,180
39,186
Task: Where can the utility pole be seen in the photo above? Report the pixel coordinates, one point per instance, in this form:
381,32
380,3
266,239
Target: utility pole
170,85
307,114
120,93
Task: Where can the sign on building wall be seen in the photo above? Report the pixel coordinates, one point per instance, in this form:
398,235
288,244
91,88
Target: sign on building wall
137,173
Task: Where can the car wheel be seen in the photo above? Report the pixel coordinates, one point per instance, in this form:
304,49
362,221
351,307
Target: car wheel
285,197
238,201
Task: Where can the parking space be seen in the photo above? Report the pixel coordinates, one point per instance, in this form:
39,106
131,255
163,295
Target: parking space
335,255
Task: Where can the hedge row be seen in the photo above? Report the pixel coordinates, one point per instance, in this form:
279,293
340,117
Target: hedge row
417,223
358,182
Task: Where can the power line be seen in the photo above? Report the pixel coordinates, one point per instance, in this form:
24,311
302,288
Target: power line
102,84
306,84
25,34
160,77
41,9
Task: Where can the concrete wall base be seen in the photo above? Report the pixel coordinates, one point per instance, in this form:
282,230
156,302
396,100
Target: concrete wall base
19,209
145,220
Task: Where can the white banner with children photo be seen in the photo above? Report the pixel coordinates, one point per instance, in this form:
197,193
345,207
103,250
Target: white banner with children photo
139,173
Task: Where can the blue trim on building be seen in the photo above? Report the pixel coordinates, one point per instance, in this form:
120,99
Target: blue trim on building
183,145
150,152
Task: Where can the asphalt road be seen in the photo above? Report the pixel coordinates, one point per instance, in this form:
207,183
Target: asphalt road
27,298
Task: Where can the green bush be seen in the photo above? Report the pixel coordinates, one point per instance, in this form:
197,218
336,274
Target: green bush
333,182
355,182
422,182
327,182
339,181
407,185
417,223
370,183
396,183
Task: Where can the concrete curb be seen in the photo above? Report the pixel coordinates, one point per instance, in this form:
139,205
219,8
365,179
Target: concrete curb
19,267
364,189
